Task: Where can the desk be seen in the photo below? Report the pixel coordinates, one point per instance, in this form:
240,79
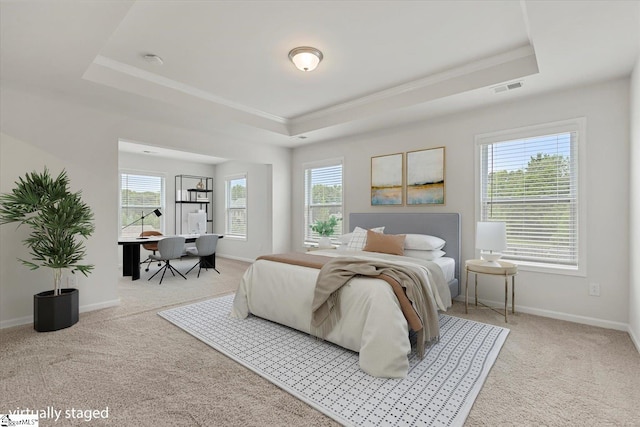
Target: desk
131,252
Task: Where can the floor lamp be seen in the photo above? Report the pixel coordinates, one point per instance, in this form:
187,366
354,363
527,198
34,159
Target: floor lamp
142,217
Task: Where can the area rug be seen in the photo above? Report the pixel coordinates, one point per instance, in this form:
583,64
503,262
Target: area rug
438,391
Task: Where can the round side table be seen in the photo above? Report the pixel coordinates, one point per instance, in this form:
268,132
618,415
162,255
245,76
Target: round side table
504,268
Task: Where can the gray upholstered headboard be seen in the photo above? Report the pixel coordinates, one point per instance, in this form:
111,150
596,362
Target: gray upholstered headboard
443,225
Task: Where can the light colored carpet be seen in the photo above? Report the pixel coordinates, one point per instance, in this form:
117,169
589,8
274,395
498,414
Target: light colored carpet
150,373
439,390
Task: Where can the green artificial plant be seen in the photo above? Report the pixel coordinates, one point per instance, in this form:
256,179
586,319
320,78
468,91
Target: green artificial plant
325,228
57,218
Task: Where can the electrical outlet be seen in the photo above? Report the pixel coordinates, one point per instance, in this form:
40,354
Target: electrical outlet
594,289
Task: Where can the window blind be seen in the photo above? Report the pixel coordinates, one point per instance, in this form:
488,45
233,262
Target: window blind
532,185
236,189
322,196
139,195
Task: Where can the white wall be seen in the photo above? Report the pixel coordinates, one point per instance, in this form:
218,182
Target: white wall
260,222
634,232
42,128
606,108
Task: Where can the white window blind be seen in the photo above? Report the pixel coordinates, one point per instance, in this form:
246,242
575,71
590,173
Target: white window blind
236,206
139,195
531,184
322,196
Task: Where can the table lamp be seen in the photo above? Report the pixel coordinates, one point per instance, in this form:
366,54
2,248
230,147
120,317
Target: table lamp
491,239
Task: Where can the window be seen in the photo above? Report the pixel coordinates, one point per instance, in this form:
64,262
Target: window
322,196
236,206
529,179
140,194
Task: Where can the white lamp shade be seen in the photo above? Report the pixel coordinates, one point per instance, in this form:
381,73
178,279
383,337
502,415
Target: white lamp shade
305,58
491,236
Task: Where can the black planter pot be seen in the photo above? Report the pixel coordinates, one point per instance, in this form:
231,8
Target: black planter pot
54,312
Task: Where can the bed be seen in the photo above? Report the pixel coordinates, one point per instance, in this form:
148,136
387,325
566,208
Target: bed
371,320
443,225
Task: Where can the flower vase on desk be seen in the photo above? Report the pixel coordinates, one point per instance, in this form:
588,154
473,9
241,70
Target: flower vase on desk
324,243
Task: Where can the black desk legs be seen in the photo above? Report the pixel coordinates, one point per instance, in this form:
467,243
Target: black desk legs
131,257
131,261
209,262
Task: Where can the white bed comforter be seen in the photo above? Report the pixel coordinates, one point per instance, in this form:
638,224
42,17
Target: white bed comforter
371,320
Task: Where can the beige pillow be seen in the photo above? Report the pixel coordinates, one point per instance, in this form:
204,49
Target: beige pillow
385,243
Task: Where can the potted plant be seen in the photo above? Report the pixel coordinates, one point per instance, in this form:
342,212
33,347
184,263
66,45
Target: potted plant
58,220
325,229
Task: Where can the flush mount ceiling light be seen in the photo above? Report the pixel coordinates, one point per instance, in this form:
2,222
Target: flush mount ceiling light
153,59
305,58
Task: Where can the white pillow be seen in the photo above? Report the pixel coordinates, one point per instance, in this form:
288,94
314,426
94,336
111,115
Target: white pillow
358,238
423,242
426,255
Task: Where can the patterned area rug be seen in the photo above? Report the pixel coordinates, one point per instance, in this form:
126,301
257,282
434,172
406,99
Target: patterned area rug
438,391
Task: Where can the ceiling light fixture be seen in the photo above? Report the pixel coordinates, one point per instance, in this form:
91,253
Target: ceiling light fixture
153,59
305,58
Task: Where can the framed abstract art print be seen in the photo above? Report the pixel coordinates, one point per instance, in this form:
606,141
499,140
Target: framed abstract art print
386,180
425,177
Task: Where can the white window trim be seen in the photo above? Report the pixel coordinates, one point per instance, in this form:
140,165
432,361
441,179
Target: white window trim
228,235
577,125
163,195
313,165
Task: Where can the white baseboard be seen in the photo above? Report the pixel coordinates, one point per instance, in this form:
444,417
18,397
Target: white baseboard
99,305
634,338
19,321
16,322
592,321
235,258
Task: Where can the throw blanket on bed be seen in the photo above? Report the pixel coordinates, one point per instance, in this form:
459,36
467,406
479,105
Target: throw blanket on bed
298,258
338,271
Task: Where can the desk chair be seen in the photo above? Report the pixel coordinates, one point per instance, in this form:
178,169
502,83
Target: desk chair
205,246
153,247
169,248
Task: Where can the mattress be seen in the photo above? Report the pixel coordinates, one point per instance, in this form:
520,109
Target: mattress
448,266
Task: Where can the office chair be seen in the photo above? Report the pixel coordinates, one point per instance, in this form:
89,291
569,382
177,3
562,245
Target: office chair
169,248
205,247
152,246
